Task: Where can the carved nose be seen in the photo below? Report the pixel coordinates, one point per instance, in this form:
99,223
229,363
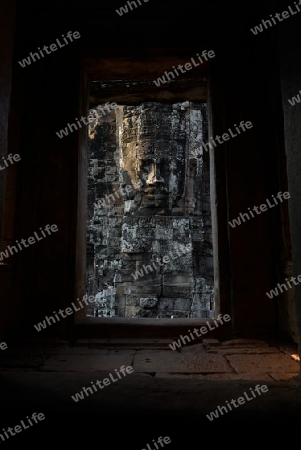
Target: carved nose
154,178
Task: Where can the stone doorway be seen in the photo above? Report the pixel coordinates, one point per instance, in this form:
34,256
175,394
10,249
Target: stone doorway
149,229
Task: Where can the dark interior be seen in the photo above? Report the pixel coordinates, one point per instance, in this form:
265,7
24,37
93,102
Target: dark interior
250,78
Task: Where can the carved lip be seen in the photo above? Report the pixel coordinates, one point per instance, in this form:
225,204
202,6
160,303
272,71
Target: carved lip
151,191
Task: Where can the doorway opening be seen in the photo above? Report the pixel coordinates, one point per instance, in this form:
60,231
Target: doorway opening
149,249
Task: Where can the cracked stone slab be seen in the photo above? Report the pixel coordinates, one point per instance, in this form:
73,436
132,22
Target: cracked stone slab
193,349
182,376
159,361
86,363
206,363
244,343
283,376
291,351
275,362
122,351
130,343
242,350
78,351
211,342
165,362
219,376
255,376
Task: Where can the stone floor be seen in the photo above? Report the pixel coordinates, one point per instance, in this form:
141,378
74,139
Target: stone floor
167,393
239,359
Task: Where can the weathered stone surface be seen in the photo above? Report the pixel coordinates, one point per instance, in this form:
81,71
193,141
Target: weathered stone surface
211,342
283,376
149,220
244,343
205,363
154,289
242,350
86,363
291,350
256,376
193,349
263,363
148,302
170,362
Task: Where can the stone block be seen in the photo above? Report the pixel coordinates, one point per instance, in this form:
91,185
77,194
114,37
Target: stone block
176,291
132,312
154,289
182,304
148,302
178,280
166,304
148,313
163,233
132,300
123,275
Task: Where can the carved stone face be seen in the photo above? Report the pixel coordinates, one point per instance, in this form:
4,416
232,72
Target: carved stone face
153,156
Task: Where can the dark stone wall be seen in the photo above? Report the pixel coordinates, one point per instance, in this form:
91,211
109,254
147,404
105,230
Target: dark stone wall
48,94
290,86
7,177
